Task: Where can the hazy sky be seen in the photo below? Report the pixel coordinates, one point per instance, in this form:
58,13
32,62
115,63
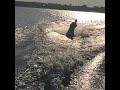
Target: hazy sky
89,3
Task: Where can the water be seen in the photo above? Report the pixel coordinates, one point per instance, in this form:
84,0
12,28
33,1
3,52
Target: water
51,25
29,16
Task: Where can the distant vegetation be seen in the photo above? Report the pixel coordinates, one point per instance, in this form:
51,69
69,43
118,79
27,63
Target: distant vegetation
59,6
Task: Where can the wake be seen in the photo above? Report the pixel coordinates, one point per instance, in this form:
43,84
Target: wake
59,63
87,75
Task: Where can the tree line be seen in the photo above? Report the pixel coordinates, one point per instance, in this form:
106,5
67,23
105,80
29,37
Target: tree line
59,6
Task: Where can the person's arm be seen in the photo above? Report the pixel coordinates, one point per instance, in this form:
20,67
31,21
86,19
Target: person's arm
75,25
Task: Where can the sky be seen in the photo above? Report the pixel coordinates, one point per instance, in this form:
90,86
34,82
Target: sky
89,3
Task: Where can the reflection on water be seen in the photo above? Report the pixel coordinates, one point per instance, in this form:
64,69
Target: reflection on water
25,16
80,15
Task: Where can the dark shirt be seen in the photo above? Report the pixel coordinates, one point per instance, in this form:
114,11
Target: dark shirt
72,27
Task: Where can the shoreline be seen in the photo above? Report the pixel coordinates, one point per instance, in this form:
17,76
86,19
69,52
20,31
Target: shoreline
59,6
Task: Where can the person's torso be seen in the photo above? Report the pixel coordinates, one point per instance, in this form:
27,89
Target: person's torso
73,25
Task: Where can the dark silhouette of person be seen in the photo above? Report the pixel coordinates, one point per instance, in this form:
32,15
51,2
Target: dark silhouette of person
70,33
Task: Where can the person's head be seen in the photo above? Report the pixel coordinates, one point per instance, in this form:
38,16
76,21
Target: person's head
75,20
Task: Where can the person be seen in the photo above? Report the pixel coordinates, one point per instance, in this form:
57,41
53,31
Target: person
70,33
